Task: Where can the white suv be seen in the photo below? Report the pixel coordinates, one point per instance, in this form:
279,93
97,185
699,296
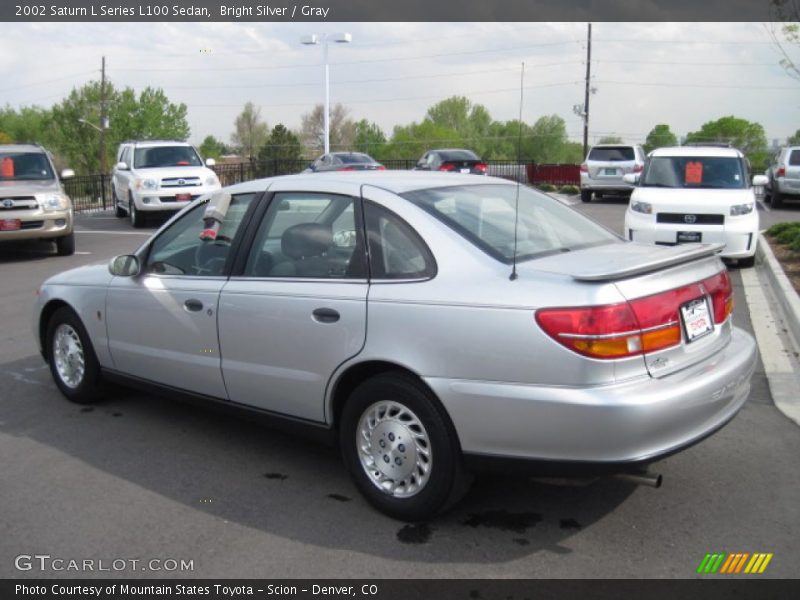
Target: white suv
784,176
158,176
605,167
695,194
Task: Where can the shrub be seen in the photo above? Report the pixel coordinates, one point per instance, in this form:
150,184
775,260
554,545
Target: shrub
546,187
786,233
569,189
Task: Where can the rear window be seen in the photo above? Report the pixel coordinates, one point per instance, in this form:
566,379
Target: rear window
485,216
612,153
794,158
354,158
458,155
694,172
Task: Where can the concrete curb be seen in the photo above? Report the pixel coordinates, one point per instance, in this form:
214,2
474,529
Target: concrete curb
784,292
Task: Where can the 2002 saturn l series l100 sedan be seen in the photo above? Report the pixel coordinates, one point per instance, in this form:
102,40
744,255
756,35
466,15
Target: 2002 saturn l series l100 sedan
379,307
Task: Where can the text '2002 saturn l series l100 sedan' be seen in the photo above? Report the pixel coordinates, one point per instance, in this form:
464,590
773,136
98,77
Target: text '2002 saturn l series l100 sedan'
380,309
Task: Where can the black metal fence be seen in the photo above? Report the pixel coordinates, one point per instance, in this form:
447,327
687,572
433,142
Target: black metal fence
93,192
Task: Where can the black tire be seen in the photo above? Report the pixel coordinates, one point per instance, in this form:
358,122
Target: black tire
119,212
598,195
746,263
777,199
446,479
137,218
65,245
586,195
86,388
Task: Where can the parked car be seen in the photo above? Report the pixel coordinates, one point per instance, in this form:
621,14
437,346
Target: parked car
696,194
378,309
605,166
155,176
783,176
344,161
33,203
453,160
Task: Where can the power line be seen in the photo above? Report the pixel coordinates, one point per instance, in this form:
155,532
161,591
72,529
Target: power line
35,83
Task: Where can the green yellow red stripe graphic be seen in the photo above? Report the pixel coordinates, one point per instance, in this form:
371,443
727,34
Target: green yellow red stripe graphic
733,563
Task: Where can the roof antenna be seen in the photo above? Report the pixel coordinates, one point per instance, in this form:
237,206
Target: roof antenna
519,177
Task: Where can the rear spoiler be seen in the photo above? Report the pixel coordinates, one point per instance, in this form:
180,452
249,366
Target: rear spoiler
681,254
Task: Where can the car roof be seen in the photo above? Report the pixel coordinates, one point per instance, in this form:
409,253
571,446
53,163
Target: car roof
697,151
397,182
621,145
156,143
22,148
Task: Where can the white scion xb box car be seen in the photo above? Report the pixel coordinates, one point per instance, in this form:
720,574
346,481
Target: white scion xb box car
696,195
157,177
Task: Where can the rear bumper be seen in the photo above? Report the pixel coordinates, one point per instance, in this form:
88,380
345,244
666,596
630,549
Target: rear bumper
789,187
635,421
38,224
604,184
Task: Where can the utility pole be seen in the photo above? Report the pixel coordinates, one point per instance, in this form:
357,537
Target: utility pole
588,90
103,127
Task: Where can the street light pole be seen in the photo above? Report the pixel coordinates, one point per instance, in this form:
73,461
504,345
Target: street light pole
313,39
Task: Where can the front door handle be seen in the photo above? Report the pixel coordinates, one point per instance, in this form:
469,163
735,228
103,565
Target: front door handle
193,305
325,315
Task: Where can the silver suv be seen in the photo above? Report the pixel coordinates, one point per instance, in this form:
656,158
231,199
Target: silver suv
33,204
784,176
606,165
157,177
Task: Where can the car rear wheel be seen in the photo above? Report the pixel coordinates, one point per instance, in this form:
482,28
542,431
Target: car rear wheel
400,448
71,357
586,195
65,245
119,212
137,218
777,199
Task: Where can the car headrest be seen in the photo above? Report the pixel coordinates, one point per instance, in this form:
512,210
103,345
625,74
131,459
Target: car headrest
306,239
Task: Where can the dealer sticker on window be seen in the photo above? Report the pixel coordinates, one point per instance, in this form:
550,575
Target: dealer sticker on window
696,319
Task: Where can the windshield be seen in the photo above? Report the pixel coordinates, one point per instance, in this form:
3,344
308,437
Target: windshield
694,172
612,153
24,165
166,156
354,158
484,215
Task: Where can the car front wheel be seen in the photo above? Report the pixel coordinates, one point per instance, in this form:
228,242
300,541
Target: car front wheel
65,245
586,195
400,448
71,357
137,219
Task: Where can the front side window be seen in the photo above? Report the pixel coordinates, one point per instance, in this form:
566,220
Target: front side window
486,216
166,156
15,166
179,250
308,235
694,172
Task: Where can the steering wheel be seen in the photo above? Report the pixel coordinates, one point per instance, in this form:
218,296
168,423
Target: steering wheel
210,257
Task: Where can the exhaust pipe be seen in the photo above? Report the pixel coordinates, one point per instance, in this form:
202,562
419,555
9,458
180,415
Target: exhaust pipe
644,478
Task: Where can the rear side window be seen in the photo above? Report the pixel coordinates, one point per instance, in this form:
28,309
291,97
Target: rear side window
612,153
396,250
794,158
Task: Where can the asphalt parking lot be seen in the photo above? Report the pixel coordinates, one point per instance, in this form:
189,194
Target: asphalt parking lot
141,477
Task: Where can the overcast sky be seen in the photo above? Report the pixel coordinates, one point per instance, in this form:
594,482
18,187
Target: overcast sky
683,74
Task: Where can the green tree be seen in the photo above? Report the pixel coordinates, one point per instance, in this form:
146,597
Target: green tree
412,141
660,136
250,132
368,138
787,12
747,136
211,148
794,140
547,140
471,122
610,139
281,144
28,124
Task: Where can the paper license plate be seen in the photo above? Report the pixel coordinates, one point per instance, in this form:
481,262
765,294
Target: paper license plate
696,319
183,197
610,171
688,237
10,224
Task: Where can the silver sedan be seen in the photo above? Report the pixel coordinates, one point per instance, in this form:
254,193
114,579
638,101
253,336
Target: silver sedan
426,322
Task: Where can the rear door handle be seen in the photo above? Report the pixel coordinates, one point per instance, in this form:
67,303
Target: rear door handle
193,305
325,315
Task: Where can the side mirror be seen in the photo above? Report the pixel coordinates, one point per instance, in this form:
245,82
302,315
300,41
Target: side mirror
121,166
632,178
124,265
760,180
67,174
210,162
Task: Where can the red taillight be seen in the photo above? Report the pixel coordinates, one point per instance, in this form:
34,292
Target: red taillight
638,168
635,327
447,167
781,172
482,167
584,168
380,168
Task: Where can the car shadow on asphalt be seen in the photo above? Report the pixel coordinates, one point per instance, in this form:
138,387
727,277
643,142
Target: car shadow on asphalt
261,478
26,251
